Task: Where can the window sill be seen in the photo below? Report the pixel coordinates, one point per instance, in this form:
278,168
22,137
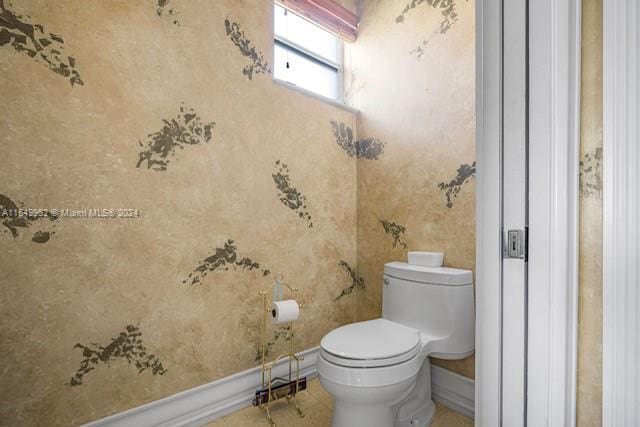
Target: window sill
316,96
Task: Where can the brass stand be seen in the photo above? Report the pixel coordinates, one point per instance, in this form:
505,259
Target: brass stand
289,389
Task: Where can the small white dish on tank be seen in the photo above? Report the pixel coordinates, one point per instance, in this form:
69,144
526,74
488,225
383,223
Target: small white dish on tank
425,259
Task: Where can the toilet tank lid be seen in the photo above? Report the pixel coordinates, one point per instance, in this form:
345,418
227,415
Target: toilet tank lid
431,275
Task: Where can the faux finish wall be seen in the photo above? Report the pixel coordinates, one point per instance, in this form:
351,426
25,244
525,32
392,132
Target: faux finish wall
589,402
413,80
166,107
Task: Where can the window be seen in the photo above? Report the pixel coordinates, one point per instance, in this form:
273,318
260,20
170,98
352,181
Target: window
306,55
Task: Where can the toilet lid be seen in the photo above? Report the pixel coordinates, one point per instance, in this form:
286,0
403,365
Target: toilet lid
378,342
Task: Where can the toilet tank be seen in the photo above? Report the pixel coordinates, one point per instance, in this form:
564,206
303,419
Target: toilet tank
438,301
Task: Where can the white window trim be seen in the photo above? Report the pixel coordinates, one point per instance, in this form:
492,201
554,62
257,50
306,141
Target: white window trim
316,96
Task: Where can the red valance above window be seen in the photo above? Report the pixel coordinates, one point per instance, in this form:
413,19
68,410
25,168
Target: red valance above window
326,14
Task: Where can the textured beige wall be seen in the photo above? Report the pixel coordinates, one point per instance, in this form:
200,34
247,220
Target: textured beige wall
590,305
77,145
413,79
161,107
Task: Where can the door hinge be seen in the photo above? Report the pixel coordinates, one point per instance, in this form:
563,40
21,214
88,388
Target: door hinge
516,244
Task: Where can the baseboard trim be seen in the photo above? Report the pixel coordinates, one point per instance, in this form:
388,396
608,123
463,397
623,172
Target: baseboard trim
453,391
208,402
204,403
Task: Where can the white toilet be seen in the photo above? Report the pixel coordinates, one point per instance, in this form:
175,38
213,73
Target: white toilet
378,371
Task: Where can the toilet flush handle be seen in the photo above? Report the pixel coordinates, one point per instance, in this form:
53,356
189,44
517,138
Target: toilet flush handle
385,281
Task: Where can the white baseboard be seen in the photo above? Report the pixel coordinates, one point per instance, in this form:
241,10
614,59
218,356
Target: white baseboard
208,402
204,403
453,390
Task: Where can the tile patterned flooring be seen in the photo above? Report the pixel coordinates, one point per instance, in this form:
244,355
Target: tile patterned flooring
317,405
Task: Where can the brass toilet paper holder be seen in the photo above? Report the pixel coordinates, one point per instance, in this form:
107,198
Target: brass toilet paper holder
277,388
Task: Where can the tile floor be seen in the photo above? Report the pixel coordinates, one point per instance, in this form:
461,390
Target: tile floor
317,405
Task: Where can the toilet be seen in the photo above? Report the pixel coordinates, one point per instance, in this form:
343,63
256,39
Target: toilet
378,371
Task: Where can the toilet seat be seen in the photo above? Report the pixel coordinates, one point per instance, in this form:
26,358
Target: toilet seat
371,344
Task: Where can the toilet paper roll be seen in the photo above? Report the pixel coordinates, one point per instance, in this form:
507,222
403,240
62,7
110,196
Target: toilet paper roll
284,311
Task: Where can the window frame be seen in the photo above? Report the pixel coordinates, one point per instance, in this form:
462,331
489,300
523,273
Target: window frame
294,47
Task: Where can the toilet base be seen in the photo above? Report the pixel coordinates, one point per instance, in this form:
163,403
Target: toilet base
422,417
374,406
417,409
349,415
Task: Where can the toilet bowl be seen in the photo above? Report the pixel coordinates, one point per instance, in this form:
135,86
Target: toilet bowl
369,367
378,371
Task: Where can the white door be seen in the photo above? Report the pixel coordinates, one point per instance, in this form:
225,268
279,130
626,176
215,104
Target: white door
501,303
526,214
514,212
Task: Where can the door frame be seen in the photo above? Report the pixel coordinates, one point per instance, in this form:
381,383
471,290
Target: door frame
554,119
621,229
